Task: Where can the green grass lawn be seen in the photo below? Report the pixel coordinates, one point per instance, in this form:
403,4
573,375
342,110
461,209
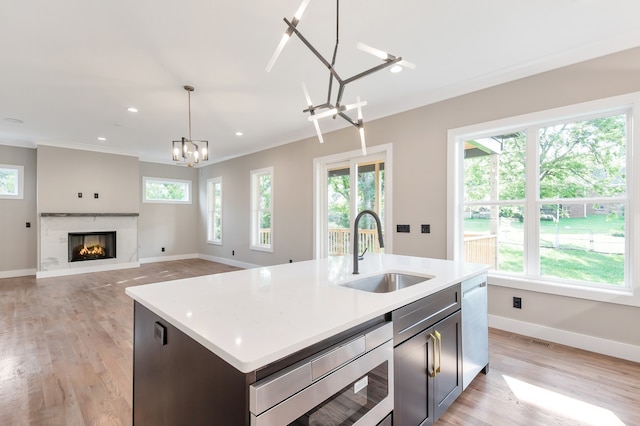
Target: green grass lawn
576,257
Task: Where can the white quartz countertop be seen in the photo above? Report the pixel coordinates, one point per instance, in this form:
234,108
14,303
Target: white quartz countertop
254,317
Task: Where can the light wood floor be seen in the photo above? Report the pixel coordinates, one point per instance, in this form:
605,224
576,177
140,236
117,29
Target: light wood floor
66,359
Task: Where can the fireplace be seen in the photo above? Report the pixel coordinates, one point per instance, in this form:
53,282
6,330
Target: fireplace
91,245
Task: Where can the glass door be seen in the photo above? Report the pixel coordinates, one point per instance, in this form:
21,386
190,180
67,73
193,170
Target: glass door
352,187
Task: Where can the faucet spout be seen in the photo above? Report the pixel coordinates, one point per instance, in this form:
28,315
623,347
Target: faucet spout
356,238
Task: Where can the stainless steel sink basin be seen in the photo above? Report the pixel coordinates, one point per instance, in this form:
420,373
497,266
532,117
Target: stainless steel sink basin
385,283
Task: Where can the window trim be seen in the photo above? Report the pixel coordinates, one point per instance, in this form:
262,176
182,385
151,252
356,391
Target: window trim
629,295
20,184
210,209
255,175
146,179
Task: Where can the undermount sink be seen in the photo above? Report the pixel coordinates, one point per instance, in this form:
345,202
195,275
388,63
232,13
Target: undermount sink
386,283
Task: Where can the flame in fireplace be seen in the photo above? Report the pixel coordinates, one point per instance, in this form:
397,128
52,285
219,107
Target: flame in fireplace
96,250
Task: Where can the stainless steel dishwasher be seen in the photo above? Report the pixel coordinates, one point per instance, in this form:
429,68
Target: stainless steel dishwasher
475,325
350,383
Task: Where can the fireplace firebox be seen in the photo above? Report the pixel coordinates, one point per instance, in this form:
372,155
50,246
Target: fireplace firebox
92,246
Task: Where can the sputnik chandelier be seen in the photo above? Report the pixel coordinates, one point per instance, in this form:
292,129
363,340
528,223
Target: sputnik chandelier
335,108
188,151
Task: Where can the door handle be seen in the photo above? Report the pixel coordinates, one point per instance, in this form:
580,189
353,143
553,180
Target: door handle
434,340
439,338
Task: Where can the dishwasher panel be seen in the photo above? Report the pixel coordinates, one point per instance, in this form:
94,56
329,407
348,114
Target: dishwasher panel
475,325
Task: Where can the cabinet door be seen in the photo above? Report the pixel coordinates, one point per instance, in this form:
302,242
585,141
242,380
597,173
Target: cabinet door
412,384
448,382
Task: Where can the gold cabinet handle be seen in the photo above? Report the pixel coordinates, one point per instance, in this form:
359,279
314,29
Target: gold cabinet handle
434,372
439,338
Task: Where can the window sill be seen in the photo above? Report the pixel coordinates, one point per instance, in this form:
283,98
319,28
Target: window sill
623,296
214,243
262,248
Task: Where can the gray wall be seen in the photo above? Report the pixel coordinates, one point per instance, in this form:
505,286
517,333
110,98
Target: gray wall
172,226
63,173
419,140
18,244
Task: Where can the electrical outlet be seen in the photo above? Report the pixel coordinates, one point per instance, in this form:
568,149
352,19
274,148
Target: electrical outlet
233,252
426,229
79,194
517,302
96,195
163,249
403,228
28,224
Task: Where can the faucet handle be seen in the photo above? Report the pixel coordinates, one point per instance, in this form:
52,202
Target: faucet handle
361,257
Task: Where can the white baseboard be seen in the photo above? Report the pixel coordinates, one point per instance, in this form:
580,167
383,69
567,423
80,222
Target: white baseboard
86,270
17,273
563,337
169,258
229,262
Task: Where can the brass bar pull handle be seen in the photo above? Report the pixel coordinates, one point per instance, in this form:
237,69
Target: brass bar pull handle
439,337
434,341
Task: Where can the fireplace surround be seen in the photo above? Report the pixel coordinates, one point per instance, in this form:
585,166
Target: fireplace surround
57,236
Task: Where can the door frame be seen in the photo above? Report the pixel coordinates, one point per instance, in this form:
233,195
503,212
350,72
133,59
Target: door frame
320,193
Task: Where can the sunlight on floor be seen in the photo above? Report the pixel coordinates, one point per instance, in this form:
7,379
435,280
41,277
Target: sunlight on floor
566,406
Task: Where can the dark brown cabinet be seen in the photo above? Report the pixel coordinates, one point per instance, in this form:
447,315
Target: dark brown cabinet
427,364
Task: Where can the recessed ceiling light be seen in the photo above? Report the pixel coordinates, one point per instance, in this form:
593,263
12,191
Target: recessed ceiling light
132,109
102,138
395,69
239,133
13,120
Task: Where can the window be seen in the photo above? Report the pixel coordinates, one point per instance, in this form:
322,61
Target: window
11,182
170,191
214,210
546,198
262,209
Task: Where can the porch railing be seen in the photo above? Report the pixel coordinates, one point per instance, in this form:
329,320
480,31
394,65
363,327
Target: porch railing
340,240
481,249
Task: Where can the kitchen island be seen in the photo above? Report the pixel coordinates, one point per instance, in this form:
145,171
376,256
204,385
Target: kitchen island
243,322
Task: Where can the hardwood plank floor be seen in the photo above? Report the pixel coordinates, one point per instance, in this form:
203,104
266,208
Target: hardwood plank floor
66,349
66,359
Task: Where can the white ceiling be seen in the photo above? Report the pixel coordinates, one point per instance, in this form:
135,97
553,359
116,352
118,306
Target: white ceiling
70,68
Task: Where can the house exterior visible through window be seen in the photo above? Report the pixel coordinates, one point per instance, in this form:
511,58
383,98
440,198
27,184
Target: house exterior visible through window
548,200
11,181
262,209
170,191
214,210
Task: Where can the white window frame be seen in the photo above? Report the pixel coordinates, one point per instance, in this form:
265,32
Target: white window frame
146,179
19,171
629,294
255,209
320,167
211,207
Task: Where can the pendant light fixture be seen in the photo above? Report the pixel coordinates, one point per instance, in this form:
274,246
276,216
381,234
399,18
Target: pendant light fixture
187,151
335,108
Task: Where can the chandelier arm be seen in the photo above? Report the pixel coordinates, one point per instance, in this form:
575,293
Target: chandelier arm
315,107
313,50
372,70
349,119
